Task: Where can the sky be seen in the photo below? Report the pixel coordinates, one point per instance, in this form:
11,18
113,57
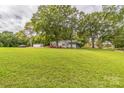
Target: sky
14,17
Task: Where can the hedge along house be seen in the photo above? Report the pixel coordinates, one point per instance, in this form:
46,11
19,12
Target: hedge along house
66,44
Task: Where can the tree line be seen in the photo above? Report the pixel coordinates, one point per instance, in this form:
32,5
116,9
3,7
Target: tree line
65,22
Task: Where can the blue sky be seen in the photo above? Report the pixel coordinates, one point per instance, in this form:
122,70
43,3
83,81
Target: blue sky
14,17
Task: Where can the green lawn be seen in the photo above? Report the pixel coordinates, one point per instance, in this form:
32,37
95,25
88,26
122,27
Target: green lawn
44,67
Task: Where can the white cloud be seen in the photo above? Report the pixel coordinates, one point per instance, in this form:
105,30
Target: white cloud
13,18
89,8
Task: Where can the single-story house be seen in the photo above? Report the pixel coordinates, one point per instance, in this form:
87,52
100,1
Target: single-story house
66,44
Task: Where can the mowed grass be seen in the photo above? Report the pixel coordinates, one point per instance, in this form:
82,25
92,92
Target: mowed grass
45,67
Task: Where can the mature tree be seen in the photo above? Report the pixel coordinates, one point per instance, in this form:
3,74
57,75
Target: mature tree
22,37
119,37
90,26
100,26
110,23
72,24
8,39
55,21
28,29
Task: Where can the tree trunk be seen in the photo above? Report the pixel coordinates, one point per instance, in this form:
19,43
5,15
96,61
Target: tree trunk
92,41
71,43
57,43
30,41
71,39
99,45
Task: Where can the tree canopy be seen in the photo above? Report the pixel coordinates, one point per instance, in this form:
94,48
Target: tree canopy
65,22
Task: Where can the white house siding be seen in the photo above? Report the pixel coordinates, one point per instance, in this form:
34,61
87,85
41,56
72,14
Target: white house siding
73,45
64,44
37,45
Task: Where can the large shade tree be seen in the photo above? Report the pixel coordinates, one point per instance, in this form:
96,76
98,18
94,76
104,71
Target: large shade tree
100,26
56,22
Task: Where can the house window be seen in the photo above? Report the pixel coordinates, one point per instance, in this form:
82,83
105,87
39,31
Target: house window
63,44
